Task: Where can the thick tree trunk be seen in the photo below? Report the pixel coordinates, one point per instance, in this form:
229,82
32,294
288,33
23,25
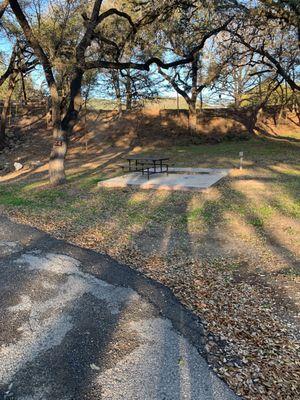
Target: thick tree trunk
60,128
193,99
57,159
237,100
63,129
128,93
59,148
11,87
253,120
192,117
259,108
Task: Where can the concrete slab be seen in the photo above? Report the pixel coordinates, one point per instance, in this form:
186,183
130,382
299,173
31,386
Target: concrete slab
184,179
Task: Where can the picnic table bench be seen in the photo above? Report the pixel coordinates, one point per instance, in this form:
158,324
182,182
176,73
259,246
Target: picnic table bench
149,165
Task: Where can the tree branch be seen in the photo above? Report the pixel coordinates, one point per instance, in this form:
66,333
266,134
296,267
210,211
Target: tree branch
266,54
10,67
109,42
33,42
155,60
173,83
114,11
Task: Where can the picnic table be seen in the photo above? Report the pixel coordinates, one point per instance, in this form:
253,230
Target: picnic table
153,164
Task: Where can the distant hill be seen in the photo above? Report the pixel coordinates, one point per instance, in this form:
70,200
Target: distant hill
102,104
169,103
161,103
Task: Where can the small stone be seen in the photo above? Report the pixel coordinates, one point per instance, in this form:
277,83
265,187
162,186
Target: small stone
18,166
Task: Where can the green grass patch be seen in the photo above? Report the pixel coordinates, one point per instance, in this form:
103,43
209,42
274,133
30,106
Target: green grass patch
209,212
257,222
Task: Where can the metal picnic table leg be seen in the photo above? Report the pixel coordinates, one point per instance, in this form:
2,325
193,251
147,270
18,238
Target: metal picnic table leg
154,166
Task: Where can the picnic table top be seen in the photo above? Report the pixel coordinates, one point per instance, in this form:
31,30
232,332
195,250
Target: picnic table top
148,158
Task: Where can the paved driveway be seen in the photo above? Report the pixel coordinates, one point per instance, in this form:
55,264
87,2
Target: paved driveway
77,325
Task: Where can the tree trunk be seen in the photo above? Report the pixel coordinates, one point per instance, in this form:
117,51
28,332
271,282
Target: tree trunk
259,107
116,84
11,87
253,120
23,88
128,93
57,161
201,101
192,117
193,99
237,100
63,129
59,149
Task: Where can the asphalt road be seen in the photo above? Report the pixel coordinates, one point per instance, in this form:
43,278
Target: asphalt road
74,324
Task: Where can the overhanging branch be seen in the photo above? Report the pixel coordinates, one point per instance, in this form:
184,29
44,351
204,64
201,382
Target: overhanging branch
155,60
114,11
264,53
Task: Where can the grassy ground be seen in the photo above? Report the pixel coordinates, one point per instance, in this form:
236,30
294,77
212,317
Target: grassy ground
231,254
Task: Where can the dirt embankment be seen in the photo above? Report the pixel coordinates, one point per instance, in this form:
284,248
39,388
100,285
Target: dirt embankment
213,125
98,128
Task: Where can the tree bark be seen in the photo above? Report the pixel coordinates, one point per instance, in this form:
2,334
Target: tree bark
201,101
59,148
11,87
193,98
116,84
128,93
192,117
62,129
57,160
23,88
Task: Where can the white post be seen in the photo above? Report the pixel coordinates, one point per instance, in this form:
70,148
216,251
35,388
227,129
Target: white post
241,155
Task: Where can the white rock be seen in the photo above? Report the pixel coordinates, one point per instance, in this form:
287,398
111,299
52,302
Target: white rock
18,166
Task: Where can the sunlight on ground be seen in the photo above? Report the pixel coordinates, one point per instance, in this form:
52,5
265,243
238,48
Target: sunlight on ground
230,253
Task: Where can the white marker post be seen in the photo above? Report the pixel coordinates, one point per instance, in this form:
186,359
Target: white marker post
241,155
